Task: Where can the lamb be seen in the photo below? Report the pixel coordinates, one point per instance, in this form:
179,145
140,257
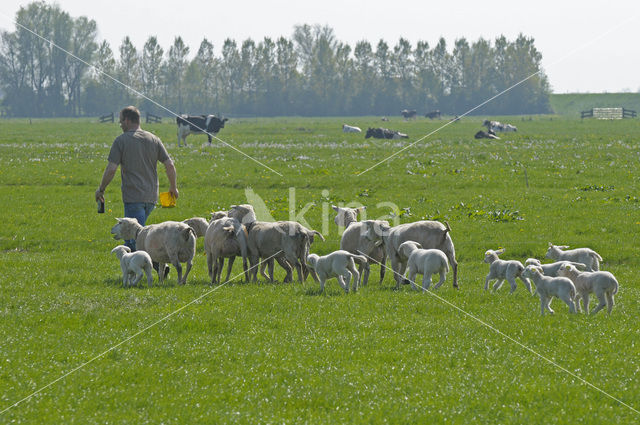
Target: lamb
217,214
586,256
425,262
286,241
169,242
602,283
548,287
429,234
339,264
225,238
354,241
198,224
133,265
504,269
551,269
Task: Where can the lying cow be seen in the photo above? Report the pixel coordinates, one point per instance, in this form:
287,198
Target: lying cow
384,133
198,124
498,126
408,114
486,135
349,129
433,114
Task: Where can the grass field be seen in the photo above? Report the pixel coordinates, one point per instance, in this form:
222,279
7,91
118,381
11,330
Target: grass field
282,353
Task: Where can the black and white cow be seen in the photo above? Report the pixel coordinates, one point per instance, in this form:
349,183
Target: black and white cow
498,126
408,114
198,124
433,114
486,135
384,133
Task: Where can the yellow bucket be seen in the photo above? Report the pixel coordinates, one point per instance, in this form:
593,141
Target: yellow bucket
167,200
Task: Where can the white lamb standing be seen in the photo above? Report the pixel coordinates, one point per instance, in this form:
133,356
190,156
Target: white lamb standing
586,256
548,287
603,284
551,269
133,265
425,262
504,269
339,264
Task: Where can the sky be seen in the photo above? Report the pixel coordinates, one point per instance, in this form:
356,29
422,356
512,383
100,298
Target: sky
586,46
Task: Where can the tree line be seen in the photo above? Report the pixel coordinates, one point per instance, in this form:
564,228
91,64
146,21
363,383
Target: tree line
309,74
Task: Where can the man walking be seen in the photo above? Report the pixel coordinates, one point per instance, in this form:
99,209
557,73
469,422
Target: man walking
137,152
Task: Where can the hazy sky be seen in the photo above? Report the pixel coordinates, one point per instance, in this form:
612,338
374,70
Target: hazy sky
586,46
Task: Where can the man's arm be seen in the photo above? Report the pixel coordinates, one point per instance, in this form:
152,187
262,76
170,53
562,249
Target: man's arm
172,176
107,176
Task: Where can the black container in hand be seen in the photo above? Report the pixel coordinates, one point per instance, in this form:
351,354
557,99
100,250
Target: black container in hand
100,207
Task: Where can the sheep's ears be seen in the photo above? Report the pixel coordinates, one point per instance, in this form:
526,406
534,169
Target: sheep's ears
500,251
418,245
550,244
361,209
336,209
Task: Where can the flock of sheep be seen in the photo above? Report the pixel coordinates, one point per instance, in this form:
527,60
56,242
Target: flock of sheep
422,247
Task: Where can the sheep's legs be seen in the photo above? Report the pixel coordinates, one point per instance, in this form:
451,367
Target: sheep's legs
610,301
161,269
602,304
512,283
186,273
263,266
486,282
426,282
341,280
527,284
148,272
231,260
443,277
569,302
178,267
355,274
412,278
136,278
364,271
498,284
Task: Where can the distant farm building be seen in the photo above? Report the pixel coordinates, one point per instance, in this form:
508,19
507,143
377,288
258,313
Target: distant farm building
608,113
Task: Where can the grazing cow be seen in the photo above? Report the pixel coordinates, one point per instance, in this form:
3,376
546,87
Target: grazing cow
198,124
349,129
433,114
486,135
384,133
498,126
408,114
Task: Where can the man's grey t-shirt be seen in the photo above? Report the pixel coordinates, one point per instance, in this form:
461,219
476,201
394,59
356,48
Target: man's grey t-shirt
138,153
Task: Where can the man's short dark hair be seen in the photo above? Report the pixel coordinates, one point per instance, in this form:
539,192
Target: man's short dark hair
131,113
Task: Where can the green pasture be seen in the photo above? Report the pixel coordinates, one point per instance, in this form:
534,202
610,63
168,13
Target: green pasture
282,353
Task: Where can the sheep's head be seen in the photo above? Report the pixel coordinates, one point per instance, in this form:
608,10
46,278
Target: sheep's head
346,216
532,262
120,250
217,215
568,270
198,224
125,228
406,248
553,250
531,271
244,213
375,230
490,256
312,260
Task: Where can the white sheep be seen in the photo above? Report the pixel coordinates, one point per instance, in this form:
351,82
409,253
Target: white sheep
603,284
586,256
425,262
350,129
339,264
504,269
168,242
551,269
198,224
354,241
548,287
133,265
286,241
225,238
429,234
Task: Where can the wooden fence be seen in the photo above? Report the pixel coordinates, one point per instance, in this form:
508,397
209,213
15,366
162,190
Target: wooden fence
608,113
150,118
107,118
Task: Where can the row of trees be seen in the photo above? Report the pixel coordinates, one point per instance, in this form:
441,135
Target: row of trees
311,73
